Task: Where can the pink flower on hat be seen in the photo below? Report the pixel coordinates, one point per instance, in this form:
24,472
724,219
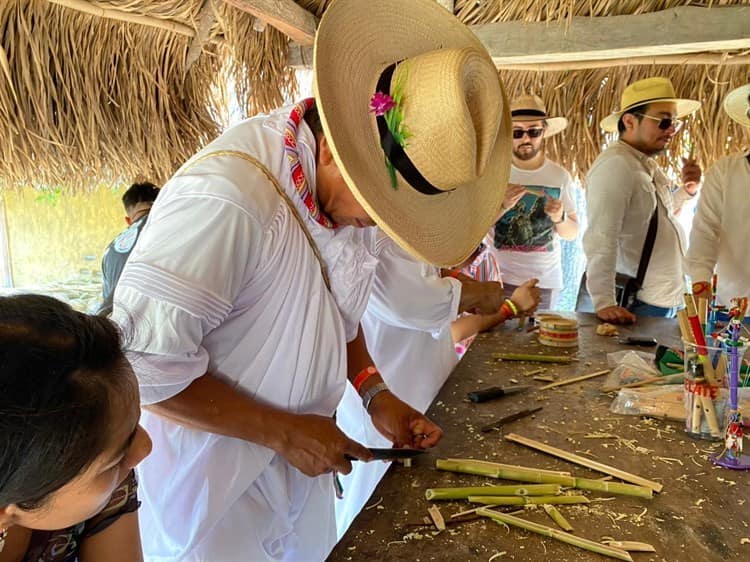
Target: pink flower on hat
381,103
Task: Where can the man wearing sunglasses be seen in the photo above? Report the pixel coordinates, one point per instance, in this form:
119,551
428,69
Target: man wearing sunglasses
538,208
633,232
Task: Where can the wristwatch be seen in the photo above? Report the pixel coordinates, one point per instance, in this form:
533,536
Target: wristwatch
371,392
561,220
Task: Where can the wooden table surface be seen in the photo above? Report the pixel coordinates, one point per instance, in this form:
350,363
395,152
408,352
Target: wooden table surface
701,514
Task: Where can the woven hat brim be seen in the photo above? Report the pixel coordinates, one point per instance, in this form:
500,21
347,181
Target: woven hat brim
350,53
736,105
684,107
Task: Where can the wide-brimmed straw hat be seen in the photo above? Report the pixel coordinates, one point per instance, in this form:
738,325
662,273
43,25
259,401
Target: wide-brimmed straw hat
648,90
450,175
529,107
737,105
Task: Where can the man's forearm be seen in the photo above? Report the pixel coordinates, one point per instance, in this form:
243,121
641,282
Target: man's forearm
568,229
211,405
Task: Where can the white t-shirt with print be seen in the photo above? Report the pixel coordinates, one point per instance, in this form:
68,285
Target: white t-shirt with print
524,240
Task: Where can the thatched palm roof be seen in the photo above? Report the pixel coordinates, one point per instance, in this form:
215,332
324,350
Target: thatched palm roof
85,98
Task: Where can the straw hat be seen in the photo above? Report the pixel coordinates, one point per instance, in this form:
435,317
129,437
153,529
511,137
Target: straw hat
454,110
531,108
648,90
737,105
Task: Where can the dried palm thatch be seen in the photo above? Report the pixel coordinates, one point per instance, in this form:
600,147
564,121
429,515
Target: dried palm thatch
85,98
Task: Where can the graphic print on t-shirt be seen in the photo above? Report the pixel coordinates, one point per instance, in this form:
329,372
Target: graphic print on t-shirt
526,227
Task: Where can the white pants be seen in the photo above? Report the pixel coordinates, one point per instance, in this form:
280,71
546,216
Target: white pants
285,515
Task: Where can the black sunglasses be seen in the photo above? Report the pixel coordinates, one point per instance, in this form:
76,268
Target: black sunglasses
665,122
533,133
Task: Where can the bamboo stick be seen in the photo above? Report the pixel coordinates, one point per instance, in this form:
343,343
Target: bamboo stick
534,358
521,475
631,546
574,379
588,463
687,58
556,534
515,467
557,517
433,494
684,323
528,500
613,488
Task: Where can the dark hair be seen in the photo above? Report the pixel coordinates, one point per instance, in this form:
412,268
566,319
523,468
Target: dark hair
312,118
60,373
139,193
637,111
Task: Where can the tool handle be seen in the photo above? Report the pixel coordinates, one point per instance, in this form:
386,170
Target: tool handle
486,394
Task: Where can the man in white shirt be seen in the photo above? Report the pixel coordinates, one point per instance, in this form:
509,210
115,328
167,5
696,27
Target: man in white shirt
247,286
721,229
625,188
407,326
538,208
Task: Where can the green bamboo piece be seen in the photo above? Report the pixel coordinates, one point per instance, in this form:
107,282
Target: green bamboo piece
613,488
557,517
463,493
484,468
534,358
528,500
556,534
515,466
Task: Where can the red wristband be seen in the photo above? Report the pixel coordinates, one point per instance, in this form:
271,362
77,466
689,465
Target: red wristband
362,376
506,310
454,273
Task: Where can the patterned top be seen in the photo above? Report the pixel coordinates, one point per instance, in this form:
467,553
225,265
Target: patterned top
298,175
63,546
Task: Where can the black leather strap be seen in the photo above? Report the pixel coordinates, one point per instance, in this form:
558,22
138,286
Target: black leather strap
648,246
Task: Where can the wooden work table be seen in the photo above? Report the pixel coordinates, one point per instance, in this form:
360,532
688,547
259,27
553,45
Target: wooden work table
702,514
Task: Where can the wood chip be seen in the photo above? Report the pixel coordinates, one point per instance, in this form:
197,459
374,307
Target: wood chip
437,517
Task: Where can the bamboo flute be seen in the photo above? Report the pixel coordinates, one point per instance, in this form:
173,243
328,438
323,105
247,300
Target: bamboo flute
521,475
528,500
592,464
464,492
557,517
700,340
554,534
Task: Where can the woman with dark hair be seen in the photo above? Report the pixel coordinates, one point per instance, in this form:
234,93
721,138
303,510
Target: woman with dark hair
69,436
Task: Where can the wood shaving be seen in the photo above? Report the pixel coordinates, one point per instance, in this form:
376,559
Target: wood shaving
376,504
499,554
607,329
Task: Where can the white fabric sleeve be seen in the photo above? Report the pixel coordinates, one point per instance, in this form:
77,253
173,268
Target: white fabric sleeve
567,195
190,263
403,297
610,185
705,234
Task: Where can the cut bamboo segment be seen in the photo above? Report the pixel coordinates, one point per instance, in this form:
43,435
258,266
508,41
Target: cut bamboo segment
588,463
463,493
557,517
707,404
631,546
684,323
437,517
574,379
534,358
613,488
528,500
556,534
516,467
521,475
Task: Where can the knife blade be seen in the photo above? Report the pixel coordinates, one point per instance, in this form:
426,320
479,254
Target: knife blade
389,454
511,418
491,393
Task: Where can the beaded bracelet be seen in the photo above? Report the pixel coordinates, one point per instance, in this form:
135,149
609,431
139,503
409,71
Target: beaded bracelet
512,306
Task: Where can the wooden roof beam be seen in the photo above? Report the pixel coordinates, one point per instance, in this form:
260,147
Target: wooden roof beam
687,29
285,15
677,31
